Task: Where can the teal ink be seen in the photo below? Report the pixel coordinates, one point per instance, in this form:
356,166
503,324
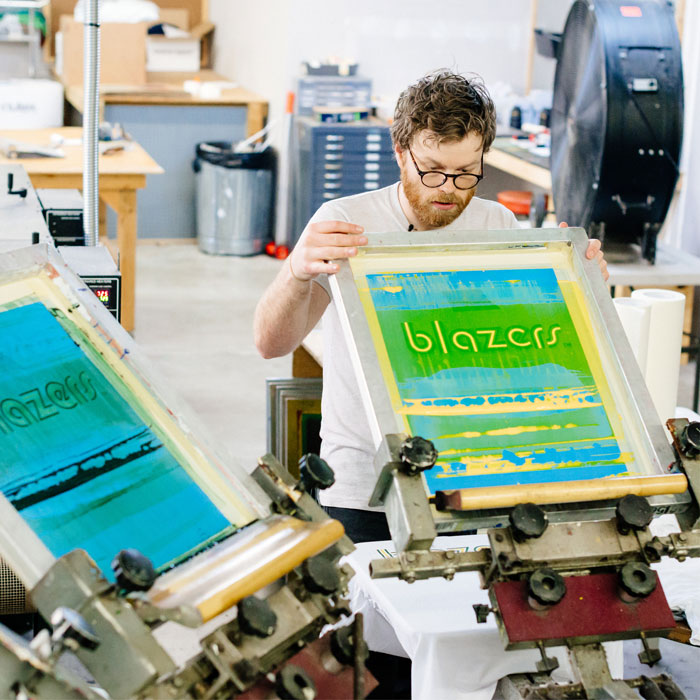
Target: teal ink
76,460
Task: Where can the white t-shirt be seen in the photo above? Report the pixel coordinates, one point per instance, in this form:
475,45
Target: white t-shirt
347,443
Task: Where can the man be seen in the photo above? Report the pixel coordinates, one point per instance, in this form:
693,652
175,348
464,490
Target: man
443,125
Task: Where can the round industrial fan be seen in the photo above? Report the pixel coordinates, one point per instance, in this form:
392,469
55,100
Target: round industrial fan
617,119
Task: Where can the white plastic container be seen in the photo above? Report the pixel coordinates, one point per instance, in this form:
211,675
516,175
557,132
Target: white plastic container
31,104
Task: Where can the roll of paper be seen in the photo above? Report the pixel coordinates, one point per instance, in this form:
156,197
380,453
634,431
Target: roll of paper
664,350
635,315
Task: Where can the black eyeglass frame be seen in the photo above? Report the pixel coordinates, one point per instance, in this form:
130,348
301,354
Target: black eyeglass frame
454,176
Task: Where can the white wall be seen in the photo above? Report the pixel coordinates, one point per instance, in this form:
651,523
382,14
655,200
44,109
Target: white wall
551,15
261,44
250,45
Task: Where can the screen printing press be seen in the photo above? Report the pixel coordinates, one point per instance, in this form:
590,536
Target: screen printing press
502,394
117,516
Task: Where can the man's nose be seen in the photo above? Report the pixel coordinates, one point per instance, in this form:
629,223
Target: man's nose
448,187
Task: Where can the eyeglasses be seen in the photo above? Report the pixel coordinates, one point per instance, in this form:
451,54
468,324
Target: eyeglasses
462,181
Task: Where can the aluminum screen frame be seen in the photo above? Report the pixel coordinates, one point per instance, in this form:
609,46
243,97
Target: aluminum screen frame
394,249
224,482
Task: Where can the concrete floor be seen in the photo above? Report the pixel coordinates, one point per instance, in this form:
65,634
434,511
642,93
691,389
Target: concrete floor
194,315
194,320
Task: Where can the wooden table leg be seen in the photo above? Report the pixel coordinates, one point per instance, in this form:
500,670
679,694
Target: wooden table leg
256,115
103,220
124,204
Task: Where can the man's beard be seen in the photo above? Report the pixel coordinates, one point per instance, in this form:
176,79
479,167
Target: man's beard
428,215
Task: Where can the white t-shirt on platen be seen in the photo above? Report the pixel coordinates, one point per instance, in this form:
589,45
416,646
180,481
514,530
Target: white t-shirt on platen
347,444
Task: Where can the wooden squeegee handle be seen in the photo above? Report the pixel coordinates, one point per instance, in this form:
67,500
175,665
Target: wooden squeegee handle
562,492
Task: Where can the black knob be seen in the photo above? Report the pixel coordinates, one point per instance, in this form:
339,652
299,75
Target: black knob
690,440
35,237
417,455
245,670
256,617
294,684
10,183
482,612
315,473
343,646
320,575
654,550
637,579
527,520
68,624
133,571
633,513
546,586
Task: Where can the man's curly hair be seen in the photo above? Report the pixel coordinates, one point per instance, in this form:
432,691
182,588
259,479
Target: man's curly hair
447,105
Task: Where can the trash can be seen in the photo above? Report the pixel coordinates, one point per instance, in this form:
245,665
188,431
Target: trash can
234,199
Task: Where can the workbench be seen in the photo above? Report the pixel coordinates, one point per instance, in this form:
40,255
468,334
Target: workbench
505,159
169,123
672,267
121,175
166,89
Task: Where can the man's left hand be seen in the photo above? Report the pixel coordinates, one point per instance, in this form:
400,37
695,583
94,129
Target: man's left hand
594,252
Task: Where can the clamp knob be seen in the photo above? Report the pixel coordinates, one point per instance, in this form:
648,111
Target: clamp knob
133,571
68,624
343,646
633,513
315,473
527,520
256,617
637,579
690,440
546,586
320,575
292,683
417,455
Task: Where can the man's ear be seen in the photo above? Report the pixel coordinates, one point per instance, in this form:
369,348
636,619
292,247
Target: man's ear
399,155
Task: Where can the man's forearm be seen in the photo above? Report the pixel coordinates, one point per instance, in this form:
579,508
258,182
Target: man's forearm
282,315
293,304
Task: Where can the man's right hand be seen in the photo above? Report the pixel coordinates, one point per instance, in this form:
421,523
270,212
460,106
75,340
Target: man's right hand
322,243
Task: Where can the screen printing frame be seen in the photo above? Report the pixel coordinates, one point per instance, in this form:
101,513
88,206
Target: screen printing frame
42,266
605,325
288,401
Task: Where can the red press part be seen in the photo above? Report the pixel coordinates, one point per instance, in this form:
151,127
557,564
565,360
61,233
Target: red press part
281,252
270,249
590,609
329,684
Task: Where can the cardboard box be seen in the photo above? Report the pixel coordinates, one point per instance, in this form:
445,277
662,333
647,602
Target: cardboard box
122,53
190,15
